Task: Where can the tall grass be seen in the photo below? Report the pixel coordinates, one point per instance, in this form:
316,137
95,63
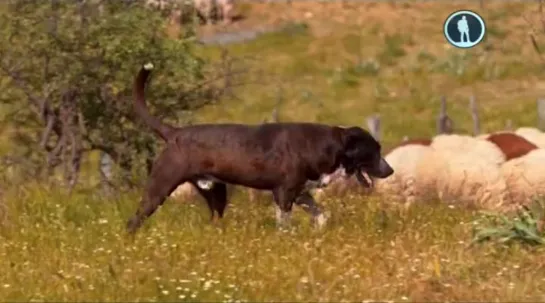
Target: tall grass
57,248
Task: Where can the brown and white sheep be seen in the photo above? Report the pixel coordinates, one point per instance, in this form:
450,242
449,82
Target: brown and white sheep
511,144
462,168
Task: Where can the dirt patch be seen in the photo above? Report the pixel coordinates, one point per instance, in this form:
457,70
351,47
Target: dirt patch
420,20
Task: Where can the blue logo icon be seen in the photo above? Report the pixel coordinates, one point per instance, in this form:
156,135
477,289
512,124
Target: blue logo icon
464,29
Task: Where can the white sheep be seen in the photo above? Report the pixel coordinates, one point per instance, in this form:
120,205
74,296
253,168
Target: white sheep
483,136
525,176
462,168
533,135
462,144
400,186
184,191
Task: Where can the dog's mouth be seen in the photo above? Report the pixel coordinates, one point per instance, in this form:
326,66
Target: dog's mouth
364,179
366,174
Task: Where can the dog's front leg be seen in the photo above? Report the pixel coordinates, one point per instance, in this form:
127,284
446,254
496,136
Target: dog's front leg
309,205
283,218
284,198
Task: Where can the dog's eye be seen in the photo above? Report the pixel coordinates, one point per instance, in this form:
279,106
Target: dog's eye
369,158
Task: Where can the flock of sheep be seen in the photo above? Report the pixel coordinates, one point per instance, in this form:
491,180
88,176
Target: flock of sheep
491,171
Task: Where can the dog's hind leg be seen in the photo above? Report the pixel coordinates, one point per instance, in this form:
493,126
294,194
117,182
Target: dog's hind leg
165,176
216,198
309,205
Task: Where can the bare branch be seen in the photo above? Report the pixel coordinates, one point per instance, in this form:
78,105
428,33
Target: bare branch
52,159
47,131
533,33
23,86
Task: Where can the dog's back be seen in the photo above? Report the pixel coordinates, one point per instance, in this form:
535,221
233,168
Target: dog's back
256,154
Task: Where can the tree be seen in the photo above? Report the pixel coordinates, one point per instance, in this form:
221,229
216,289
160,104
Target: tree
70,67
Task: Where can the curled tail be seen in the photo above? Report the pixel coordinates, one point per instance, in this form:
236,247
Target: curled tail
160,128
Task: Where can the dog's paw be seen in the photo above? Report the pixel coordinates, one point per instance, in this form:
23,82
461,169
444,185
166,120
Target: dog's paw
148,66
321,220
283,219
132,225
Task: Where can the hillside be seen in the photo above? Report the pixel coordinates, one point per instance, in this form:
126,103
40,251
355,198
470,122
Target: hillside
339,62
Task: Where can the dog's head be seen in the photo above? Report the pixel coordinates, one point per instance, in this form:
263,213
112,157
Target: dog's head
361,156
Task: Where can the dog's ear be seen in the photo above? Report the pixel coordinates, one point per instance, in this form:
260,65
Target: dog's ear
352,137
361,152
356,147
347,135
357,142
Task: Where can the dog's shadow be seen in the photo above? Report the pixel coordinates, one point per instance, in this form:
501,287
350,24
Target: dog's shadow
299,224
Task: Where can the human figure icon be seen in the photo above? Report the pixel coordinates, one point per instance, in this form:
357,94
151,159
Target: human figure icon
463,28
458,24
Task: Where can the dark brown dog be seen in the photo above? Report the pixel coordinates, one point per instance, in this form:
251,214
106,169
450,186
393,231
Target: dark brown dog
281,157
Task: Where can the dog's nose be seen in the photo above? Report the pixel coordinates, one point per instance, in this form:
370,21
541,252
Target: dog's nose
385,170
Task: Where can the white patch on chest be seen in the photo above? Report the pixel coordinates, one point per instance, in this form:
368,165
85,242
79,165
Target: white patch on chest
326,179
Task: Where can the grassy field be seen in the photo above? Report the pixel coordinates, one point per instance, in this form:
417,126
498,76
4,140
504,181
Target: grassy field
334,63
54,248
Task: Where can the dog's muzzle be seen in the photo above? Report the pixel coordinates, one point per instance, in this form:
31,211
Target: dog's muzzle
381,170
384,169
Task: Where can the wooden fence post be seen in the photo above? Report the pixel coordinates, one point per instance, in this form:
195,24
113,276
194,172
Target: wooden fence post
279,99
541,114
509,125
274,116
373,123
475,116
445,125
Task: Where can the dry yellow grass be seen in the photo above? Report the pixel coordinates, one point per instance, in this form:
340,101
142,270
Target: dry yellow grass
351,60
55,248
